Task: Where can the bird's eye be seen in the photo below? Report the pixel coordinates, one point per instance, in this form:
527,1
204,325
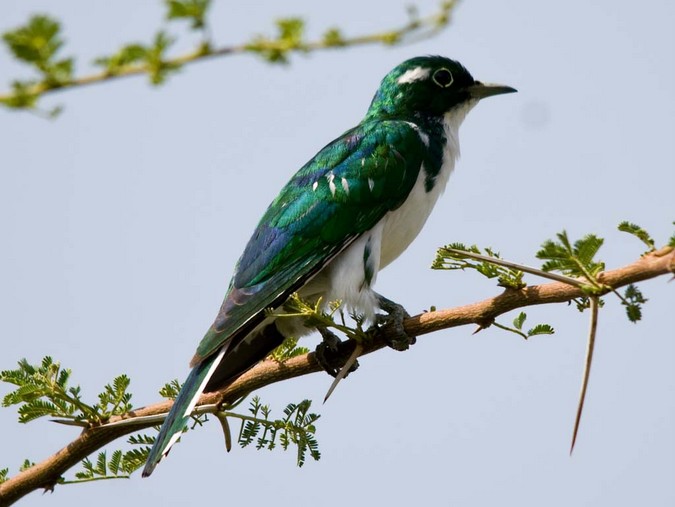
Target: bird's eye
443,77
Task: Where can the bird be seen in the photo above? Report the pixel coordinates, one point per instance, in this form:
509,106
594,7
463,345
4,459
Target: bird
346,214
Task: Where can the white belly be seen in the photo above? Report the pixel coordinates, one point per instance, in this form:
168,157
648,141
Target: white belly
344,278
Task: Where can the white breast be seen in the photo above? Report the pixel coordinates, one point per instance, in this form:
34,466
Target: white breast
402,225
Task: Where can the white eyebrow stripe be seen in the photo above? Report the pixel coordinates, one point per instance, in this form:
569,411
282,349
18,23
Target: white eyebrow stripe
412,75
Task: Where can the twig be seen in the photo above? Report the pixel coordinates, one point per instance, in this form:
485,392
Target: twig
520,267
419,27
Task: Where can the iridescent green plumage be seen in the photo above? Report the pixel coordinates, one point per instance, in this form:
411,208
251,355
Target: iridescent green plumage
337,196
348,212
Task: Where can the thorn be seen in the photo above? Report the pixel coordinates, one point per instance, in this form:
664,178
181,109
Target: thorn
477,330
69,422
587,369
226,430
345,369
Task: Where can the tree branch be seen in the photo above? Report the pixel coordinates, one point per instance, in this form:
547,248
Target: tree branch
415,28
46,473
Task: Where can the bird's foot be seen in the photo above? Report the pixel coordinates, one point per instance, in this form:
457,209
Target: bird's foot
392,324
330,357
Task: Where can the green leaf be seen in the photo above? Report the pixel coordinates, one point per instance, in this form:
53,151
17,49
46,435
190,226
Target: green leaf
38,408
586,248
115,462
127,56
26,392
300,431
249,429
638,232
575,261
59,73
114,400
290,33
141,439
633,301
100,468
291,30
152,57
519,320
155,59
120,465
333,38
540,329
170,390
295,428
314,316
450,258
26,465
36,42
43,391
288,349
88,471
22,95
671,241
517,328
135,459
3,474
192,10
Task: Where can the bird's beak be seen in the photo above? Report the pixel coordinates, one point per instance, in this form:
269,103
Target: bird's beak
480,90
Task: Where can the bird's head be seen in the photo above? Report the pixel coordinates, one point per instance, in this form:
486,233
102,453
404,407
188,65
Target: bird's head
428,86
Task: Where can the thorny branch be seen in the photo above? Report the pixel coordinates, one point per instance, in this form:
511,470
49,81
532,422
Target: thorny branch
44,475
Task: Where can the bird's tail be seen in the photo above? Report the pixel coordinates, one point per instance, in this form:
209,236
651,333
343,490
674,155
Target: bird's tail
179,414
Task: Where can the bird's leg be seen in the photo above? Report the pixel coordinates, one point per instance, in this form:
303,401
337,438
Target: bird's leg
396,336
328,354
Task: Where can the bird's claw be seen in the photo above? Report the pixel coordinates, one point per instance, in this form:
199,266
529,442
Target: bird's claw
392,325
329,356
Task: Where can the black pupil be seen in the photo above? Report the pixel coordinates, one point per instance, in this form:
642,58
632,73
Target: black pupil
443,77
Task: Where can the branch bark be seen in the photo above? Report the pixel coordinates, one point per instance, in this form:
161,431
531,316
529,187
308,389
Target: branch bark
44,475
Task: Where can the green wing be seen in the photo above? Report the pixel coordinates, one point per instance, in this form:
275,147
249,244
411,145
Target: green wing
333,199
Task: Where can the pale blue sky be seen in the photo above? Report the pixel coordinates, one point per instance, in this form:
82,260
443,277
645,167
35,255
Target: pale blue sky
121,222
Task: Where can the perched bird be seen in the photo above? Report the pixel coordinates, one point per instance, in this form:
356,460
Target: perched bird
347,213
